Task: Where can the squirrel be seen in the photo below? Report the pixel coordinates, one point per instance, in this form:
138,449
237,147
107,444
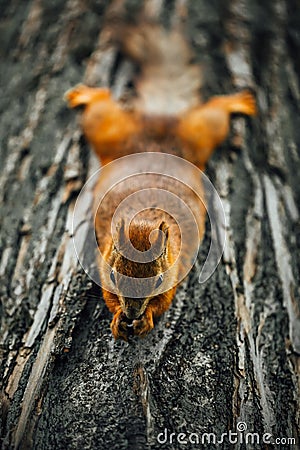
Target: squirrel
167,116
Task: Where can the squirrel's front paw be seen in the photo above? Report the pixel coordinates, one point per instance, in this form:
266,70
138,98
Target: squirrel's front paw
143,326
119,326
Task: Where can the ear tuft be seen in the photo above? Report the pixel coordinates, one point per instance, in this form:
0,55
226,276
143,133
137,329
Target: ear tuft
121,237
164,227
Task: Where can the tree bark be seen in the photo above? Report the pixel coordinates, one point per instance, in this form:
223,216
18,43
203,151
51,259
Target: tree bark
227,352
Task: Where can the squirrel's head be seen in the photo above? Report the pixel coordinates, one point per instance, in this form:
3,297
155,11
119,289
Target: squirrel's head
139,259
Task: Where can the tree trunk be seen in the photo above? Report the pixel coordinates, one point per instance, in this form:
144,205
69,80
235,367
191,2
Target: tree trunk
226,354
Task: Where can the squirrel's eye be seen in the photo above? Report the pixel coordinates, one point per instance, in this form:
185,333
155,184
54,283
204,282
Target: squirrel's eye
112,276
160,279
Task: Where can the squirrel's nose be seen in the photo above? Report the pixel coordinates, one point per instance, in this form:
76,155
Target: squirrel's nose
132,313
133,308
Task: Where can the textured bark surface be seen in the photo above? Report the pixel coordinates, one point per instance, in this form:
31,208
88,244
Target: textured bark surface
227,351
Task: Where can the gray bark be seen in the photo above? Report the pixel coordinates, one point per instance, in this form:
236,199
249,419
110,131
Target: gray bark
226,352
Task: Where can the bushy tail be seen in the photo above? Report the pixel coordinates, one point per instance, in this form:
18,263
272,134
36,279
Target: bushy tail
168,82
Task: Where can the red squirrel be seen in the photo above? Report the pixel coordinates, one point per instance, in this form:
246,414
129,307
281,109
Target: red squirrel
166,116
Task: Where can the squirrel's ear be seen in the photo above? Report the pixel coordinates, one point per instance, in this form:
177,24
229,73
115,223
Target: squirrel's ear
121,237
164,227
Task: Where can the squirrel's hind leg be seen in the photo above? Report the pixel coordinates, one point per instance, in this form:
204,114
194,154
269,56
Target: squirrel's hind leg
81,95
243,102
203,128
